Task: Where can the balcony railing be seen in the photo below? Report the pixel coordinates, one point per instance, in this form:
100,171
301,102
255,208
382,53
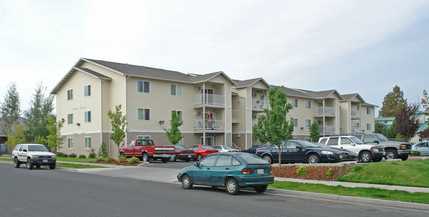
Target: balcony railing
210,100
355,114
259,104
329,111
329,129
215,125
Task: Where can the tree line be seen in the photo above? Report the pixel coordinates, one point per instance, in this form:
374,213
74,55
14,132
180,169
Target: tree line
38,123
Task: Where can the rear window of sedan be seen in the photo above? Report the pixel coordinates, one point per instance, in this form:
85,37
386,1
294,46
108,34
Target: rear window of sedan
252,159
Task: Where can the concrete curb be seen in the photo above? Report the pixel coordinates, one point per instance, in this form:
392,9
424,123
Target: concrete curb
349,199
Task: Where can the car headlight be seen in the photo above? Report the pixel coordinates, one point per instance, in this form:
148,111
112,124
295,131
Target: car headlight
327,152
35,156
375,150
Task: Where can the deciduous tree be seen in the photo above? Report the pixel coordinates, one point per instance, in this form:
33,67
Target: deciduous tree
16,136
425,102
272,126
392,103
407,121
119,123
54,140
173,134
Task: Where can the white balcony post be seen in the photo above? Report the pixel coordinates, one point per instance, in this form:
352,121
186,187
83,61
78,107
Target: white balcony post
204,113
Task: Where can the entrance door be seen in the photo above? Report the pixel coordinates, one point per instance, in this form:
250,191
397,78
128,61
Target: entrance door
209,140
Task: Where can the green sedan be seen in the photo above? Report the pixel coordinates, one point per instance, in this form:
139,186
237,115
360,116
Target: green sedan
231,170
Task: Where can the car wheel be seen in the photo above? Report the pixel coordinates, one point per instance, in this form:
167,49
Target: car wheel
186,182
268,159
391,154
145,157
365,156
313,159
232,186
199,157
261,188
52,166
16,162
164,160
29,164
122,154
404,157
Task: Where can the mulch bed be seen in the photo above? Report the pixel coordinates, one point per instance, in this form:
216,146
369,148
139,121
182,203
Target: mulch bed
314,172
117,163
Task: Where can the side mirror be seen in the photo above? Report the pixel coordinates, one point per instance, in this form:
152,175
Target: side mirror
25,150
376,141
298,148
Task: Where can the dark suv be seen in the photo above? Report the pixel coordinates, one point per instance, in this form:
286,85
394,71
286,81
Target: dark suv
392,149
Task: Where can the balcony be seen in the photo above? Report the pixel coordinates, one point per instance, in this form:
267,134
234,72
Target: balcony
329,129
259,104
355,114
209,126
211,100
329,111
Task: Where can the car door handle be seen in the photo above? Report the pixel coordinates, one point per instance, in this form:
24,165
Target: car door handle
208,168
226,168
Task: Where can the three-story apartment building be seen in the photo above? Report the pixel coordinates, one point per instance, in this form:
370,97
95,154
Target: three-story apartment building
215,109
357,116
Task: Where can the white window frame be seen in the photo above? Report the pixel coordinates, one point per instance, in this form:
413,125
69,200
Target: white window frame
87,90
178,113
368,111
368,126
307,121
143,109
69,94
295,103
295,122
87,116
143,85
144,137
178,90
70,145
70,118
308,104
88,146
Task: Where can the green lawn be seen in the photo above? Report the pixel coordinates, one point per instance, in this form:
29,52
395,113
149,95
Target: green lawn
81,160
407,173
68,165
355,192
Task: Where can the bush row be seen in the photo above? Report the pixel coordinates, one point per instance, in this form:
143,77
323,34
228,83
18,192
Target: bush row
91,155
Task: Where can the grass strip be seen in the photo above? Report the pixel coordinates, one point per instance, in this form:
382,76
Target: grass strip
68,165
80,160
375,193
6,159
405,173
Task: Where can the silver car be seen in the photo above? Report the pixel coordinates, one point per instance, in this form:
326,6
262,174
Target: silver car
224,148
33,155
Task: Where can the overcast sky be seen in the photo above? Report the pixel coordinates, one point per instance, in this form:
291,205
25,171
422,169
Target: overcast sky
364,47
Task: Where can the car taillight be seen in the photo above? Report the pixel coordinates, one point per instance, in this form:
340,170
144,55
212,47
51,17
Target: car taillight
271,171
246,171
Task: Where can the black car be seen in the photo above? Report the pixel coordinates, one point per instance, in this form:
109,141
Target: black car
347,155
298,151
252,150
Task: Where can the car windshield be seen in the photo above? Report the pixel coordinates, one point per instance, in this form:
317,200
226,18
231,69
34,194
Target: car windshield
381,137
356,140
37,148
206,147
306,144
252,159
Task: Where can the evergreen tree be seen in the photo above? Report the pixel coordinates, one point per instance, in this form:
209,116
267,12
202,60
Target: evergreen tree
174,135
10,109
314,132
392,132
425,102
392,103
37,116
380,128
272,126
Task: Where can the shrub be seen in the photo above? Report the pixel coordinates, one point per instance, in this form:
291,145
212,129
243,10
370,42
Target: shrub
65,155
330,172
302,171
102,152
72,155
99,160
109,159
417,153
82,156
134,160
91,155
122,159
60,154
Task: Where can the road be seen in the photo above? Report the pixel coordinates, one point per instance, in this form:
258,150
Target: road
44,192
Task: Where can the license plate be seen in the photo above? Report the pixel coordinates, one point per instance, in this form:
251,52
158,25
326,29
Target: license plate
45,161
164,155
345,156
260,171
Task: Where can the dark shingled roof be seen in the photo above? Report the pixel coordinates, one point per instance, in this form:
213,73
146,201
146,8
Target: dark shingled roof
94,73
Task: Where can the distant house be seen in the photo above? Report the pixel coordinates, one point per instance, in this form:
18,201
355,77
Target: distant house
421,116
3,134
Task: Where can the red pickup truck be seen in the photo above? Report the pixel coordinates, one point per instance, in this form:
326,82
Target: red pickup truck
146,150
